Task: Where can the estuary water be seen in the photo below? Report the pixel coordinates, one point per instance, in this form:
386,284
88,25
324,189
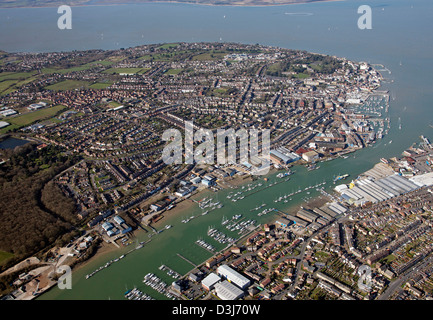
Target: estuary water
401,40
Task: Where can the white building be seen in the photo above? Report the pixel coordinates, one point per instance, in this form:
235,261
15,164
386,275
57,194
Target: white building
227,291
310,156
3,124
210,281
7,112
36,106
233,276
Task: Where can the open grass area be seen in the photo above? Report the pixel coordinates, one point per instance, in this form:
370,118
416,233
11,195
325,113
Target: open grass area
209,56
173,71
68,70
11,81
170,56
15,75
301,75
114,104
102,62
168,45
68,85
4,256
8,128
389,259
4,85
275,67
30,117
83,67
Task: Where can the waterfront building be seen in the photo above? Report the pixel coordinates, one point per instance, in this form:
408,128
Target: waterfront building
283,222
210,281
310,156
307,215
233,276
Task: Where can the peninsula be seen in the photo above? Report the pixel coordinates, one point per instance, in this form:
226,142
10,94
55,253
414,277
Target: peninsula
92,170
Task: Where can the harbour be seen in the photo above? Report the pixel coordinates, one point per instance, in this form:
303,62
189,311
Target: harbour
218,230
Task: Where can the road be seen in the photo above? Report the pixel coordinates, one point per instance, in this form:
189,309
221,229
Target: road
395,286
300,256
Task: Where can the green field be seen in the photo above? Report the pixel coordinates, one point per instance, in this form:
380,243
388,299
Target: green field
100,85
11,81
15,75
102,62
4,256
63,71
83,67
301,75
168,45
170,56
4,85
173,71
114,104
68,85
30,117
209,56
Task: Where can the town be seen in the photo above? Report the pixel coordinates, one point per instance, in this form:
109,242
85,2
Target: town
110,109
298,258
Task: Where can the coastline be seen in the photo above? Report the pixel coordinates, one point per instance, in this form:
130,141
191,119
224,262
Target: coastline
181,208
187,203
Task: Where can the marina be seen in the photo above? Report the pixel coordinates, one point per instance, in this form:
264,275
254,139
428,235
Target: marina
206,245
136,294
170,271
110,262
219,236
154,282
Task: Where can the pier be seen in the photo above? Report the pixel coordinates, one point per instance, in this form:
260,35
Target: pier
281,213
170,272
182,257
205,247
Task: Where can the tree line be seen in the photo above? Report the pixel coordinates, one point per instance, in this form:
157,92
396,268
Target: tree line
34,213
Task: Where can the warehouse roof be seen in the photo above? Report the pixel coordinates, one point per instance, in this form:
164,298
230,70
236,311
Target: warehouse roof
227,291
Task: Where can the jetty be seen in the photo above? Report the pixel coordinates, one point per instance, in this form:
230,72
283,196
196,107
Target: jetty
182,257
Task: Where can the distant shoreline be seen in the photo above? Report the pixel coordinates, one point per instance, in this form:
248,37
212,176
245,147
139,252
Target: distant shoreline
172,2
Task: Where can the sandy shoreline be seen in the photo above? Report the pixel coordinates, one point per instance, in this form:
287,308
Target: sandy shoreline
103,249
